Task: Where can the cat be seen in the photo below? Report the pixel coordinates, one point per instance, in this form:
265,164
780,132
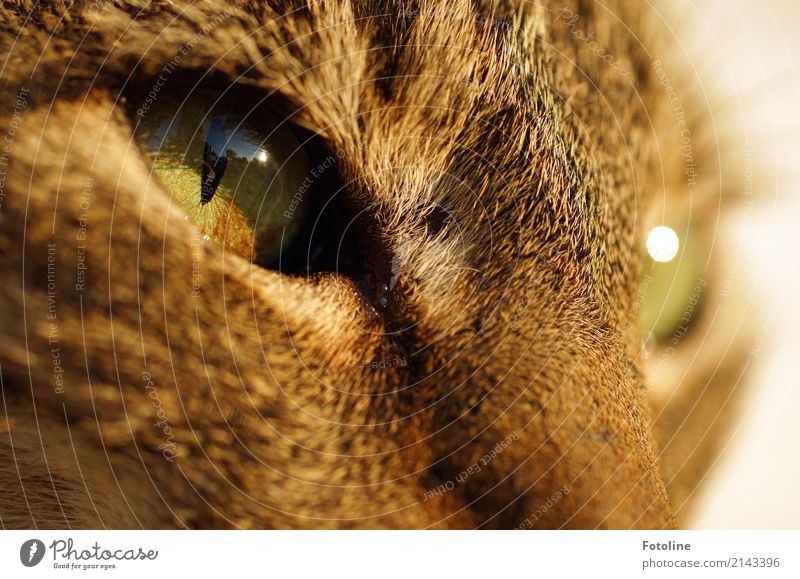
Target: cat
457,345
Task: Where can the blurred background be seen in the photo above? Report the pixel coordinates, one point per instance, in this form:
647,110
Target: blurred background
749,52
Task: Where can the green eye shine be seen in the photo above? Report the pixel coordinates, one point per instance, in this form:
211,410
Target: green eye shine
234,168
671,291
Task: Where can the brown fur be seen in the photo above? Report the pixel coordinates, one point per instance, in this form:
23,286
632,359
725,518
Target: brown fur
513,314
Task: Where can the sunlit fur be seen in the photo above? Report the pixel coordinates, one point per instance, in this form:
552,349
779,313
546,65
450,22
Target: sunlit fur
512,172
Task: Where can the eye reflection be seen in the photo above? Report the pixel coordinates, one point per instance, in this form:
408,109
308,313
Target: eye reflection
662,244
236,169
215,160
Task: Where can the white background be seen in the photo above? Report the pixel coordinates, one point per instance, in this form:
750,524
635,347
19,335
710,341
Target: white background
404,554
754,49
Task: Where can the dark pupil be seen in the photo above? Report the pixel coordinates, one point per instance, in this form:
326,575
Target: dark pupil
215,160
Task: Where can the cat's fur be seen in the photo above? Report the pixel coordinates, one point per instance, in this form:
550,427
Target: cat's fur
511,170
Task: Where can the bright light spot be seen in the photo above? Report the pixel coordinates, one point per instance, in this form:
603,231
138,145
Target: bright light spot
262,156
662,244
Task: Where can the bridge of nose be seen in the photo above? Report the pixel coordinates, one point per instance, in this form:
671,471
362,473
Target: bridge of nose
512,422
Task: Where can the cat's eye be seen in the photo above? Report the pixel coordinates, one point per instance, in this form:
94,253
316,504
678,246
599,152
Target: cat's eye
260,186
240,172
672,287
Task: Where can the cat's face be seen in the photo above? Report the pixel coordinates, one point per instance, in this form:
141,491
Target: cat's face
468,356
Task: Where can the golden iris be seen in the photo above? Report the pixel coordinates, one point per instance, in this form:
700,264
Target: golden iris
236,169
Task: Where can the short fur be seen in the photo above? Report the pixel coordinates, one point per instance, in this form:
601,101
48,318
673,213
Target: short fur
511,171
